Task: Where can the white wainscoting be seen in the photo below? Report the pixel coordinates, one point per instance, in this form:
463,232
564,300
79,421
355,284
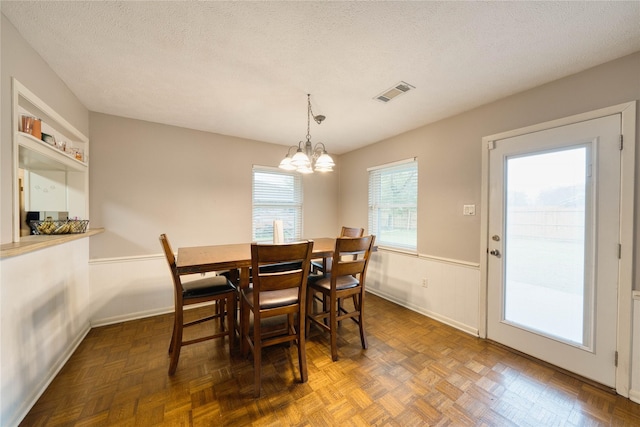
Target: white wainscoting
451,294
634,393
45,315
129,288
135,287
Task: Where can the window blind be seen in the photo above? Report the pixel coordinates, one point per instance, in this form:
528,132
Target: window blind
277,195
393,204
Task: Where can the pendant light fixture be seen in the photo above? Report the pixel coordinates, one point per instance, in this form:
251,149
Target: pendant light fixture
308,158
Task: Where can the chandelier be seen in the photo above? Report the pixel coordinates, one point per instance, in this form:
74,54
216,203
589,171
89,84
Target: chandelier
308,158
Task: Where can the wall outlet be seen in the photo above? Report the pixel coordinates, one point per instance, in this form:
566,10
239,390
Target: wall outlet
469,209
425,283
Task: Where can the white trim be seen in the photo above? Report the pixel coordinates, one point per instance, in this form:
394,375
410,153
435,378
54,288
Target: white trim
398,251
634,396
627,221
396,163
582,117
474,265
20,90
52,374
131,316
625,281
143,314
117,260
447,321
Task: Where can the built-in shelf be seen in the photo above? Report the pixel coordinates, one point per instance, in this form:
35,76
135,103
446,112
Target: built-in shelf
46,178
35,154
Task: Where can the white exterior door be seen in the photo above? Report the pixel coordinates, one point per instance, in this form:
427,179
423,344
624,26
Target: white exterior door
554,241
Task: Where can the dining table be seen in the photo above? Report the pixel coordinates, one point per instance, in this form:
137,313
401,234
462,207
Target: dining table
236,256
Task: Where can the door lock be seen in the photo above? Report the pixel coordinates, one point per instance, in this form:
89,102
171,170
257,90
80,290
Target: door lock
495,253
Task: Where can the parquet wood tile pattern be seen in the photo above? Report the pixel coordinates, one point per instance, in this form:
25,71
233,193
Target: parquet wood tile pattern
416,372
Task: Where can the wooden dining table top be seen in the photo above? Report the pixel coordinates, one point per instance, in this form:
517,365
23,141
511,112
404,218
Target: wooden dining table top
202,259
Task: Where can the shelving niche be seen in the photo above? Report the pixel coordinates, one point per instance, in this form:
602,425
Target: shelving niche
37,162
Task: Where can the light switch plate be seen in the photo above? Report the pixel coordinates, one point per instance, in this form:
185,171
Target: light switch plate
469,210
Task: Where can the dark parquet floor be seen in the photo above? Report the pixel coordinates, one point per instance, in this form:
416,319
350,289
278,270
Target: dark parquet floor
416,372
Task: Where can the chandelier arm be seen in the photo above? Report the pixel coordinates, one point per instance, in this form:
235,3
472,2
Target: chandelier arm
289,150
317,147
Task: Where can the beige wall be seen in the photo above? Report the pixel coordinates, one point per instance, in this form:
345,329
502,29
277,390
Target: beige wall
449,154
19,60
147,178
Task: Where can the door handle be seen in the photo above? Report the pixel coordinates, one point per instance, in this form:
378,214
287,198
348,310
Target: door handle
495,253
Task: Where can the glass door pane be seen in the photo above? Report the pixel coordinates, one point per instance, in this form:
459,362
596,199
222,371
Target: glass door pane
546,288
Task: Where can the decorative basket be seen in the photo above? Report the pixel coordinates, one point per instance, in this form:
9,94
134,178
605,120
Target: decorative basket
71,226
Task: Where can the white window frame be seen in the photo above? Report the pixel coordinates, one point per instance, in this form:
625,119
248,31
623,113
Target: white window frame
377,205
262,228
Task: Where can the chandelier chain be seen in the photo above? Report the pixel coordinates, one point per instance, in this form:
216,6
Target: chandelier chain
309,114
308,158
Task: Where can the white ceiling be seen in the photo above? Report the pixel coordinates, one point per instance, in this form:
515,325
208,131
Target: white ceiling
244,68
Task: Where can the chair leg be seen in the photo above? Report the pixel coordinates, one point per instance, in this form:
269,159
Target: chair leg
257,358
360,307
236,316
176,343
231,320
244,336
291,325
173,333
325,307
219,311
302,349
333,328
309,302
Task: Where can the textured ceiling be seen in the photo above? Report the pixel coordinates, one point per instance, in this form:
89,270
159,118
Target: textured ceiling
244,68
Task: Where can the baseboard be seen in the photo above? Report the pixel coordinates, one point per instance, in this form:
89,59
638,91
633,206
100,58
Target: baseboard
442,319
53,372
634,395
95,323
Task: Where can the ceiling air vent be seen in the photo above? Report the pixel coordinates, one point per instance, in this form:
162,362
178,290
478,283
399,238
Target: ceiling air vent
396,90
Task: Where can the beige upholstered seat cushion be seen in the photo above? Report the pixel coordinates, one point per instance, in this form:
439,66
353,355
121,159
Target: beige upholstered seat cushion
343,282
273,299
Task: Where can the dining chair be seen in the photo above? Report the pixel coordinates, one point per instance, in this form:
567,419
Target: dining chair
347,279
319,266
276,292
215,289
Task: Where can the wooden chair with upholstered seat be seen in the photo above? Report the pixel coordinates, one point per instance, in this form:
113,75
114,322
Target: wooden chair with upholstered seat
277,291
347,279
215,289
324,265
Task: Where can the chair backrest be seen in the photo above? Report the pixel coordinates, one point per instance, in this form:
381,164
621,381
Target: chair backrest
352,232
168,252
171,260
351,257
291,259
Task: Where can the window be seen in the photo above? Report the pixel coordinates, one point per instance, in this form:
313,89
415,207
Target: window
277,195
393,204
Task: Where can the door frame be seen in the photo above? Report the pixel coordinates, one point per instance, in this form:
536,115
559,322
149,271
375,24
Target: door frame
627,237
